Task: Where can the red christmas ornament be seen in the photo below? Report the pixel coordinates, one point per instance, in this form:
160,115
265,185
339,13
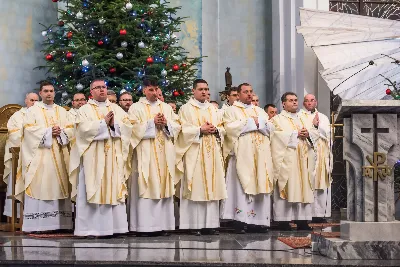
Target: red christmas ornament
122,32
175,67
150,60
113,70
54,1
388,91
49,57
61,23
181,92
69,55
183,65
175,93
100,42
165,47
69,35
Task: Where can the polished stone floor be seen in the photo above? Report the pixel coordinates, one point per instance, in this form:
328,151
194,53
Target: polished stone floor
226,249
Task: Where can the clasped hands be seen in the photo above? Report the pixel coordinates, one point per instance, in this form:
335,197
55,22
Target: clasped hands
55,131
303,134
208,128
160,120
109,119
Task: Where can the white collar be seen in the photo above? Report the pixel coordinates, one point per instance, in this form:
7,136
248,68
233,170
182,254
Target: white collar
45,106
308,112
99,104
144,100
199,104
289,114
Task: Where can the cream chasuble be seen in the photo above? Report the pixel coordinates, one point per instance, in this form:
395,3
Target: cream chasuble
73,113
102,152
200,158
44,159
14,126
291,159
321,138
248,152
252,148
322,165
154,157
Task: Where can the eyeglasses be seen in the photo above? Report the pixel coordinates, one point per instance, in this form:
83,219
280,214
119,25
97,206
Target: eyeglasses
99,87
312,100
79,100
126,100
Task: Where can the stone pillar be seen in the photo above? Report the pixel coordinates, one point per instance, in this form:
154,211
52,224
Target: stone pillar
20,46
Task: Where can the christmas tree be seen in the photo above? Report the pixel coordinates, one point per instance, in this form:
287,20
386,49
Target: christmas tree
123,42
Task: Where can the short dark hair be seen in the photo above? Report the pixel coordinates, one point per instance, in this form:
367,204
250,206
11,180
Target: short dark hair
149,82
283,98
269,105
96,80
111,92
241,85
124,93
233,89
198,81
80,93
45,83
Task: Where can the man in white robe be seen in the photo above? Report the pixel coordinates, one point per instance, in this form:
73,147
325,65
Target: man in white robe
78,101
152,185
42,176
291,145
125,101
232,96
323,164
160,95
256,100
199,162
249,175
14,126
99,165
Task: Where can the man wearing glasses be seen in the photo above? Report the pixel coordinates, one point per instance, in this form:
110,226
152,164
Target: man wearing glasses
98,166
78,101
125,101
322,167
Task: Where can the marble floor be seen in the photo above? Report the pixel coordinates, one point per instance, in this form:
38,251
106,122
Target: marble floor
226,249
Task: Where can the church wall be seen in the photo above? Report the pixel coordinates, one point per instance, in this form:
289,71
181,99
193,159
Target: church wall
20,46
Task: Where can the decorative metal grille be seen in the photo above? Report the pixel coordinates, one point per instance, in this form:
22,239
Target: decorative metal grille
373,8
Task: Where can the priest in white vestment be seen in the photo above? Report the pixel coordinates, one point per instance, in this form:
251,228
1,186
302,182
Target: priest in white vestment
291,144
199,162
231,97
99,166
249,175
323,163
14,127
78,101
152,185
42,176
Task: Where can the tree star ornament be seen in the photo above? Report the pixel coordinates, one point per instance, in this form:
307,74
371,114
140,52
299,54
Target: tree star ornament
79,87
141,44
85,63
119,55
79,15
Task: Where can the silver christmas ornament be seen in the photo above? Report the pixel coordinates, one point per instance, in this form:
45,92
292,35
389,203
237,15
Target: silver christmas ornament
124,44
79,87
119,55
44,33
164,73
64,94
141,44
128,6
102,21
85,63
53,53
79,15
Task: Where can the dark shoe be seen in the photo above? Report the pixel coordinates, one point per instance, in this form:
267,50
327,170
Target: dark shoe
260,229
284,226
240,231
319,220
196,233
303,226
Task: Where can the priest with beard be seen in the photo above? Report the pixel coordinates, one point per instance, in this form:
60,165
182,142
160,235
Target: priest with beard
200,163
322,166
249,175
99,167
291,145
42,178
152,183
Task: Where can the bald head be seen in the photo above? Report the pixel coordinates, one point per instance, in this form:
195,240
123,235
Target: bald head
310,102
30,99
